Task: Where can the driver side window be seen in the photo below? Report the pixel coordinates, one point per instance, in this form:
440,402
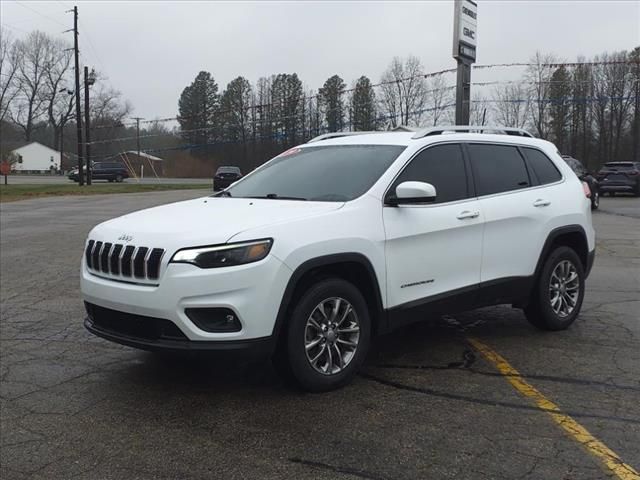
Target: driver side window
443,167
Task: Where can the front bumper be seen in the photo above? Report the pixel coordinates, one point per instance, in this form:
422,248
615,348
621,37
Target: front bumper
252,291
257,347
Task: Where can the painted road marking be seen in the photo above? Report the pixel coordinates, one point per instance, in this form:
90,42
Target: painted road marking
608,457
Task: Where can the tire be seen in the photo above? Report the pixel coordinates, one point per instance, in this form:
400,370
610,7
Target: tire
636,191
305,341
119,178
542,311
595,200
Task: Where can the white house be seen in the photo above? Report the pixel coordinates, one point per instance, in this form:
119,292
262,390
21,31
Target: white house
36,158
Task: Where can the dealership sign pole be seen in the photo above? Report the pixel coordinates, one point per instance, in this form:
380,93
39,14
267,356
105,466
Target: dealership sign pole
465,37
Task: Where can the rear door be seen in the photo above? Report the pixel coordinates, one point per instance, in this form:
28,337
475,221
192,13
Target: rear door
434,249
518,207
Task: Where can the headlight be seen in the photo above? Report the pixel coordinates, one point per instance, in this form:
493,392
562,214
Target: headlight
225,255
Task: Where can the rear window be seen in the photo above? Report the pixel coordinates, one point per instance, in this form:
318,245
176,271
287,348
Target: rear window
543,168
497,168
228,170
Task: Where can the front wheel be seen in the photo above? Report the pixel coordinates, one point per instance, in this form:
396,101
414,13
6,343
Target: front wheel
119,178
328,335
557,297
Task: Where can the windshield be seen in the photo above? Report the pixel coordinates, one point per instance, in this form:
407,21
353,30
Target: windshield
328,173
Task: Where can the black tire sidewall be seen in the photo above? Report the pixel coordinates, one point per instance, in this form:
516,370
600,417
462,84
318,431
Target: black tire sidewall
304,374
541,311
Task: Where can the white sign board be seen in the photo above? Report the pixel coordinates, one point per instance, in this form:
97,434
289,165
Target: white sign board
465,29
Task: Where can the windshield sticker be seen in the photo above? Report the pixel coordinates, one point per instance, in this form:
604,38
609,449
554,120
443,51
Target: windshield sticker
291,151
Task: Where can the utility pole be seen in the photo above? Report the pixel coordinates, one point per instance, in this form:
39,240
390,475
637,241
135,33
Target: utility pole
88,81
137,119
465,31
78,113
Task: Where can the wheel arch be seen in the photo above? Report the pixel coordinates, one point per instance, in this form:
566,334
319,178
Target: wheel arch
572,236
353,267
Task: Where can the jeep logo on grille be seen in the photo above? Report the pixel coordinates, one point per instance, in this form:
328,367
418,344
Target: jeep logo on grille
125,238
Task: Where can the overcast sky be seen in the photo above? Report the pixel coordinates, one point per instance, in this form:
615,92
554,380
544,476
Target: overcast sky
151,50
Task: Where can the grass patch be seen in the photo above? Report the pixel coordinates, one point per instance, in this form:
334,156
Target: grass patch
12,193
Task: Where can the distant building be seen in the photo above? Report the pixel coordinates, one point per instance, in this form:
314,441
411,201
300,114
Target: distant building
36,158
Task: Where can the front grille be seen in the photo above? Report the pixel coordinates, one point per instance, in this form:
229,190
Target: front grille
126,262
133,326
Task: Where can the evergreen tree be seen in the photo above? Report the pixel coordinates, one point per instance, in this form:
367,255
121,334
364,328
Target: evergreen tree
198,111
330,96
560,99
363,106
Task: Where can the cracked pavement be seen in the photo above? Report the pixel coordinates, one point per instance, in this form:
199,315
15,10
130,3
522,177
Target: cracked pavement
425,406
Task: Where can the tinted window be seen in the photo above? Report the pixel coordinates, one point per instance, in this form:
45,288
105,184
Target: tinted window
497,168
543,167
443,167
334,173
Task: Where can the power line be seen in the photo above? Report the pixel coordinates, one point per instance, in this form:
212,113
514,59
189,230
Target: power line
39,13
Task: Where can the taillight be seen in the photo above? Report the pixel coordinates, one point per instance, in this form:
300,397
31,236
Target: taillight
633,172
586,189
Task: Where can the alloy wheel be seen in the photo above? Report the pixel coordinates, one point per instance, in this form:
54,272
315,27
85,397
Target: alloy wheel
564,288
331,335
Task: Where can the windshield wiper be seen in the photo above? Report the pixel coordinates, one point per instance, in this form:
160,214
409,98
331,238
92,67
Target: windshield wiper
275,196
223,193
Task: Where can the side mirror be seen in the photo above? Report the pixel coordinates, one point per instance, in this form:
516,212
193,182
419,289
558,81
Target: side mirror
411,193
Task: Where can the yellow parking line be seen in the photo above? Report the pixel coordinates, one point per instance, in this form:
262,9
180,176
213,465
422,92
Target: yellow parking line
609,458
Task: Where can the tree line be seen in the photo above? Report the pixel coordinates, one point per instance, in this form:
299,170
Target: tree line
590,108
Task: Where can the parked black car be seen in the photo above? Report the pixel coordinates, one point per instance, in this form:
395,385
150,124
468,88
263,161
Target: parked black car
584,175
620,177
111,171
225,176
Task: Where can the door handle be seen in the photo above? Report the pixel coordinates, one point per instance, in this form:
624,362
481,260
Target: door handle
467,214
541,203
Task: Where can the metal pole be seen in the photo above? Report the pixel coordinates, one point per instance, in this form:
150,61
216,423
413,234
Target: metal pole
463,92
78,113
137,119
87,134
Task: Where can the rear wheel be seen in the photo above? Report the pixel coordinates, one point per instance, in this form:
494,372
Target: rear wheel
557,297
328,336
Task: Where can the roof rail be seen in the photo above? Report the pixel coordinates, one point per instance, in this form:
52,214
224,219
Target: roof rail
327,136
518,132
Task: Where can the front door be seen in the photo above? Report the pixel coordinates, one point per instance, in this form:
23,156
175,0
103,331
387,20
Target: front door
434,250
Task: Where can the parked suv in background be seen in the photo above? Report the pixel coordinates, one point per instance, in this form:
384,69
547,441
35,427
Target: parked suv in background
111,171
620,177
307,265
584,175
225,176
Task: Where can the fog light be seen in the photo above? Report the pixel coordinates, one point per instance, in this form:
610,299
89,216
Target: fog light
214,320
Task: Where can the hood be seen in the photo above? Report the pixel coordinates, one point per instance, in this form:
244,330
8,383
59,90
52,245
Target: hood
204,221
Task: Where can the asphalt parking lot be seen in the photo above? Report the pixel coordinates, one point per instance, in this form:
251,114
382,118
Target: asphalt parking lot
431,403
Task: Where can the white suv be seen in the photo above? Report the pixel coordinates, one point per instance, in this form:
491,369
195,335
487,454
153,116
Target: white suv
344,238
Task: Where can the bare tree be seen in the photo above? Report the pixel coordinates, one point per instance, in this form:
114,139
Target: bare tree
511,105
8,70
59,99
34,53
440,97
404,92
538,75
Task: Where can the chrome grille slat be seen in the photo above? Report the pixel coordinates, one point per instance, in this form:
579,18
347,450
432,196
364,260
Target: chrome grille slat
122,261
104,257
95,256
